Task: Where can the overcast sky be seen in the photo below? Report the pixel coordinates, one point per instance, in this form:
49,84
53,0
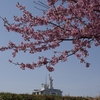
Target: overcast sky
71,77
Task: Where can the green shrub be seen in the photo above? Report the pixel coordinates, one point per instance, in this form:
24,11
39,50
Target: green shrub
12,96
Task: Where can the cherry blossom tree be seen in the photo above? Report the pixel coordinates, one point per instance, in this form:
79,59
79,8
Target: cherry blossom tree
77,21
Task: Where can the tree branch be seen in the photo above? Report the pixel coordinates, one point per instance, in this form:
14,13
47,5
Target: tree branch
96,10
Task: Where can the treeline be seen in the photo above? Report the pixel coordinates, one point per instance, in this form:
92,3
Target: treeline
12,96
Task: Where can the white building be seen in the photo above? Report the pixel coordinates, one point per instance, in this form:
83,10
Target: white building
47,89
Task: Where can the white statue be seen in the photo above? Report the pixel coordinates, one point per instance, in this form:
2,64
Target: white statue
50,82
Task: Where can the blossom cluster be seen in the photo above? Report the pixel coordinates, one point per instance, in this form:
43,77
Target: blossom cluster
78,22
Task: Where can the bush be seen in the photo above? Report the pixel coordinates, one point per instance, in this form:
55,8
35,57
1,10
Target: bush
12,96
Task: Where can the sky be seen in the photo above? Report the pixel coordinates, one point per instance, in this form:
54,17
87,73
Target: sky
71,77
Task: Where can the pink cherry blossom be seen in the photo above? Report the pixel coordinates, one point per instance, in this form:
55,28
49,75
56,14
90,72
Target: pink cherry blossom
78,22
50,69
22,66
87,65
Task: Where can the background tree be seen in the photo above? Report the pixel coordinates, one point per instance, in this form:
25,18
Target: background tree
77,21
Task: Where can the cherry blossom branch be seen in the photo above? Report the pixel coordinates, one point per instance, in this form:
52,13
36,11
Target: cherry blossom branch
66,24
45,62
96,10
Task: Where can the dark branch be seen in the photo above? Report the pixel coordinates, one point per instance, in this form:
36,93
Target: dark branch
97,10
44,4
41,5
58,26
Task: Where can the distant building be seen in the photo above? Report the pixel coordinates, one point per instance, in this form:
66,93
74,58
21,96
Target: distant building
47,89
